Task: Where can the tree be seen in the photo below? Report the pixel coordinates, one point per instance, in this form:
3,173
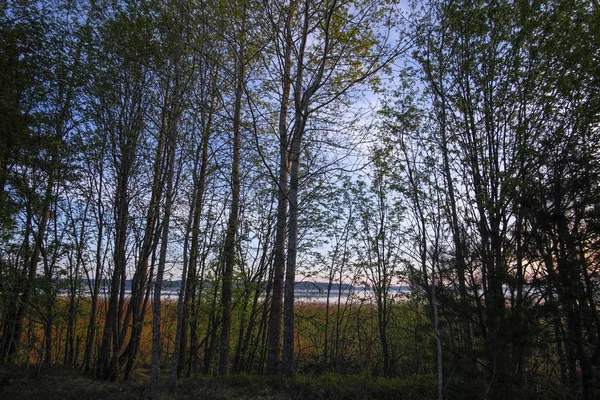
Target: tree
174,95
414,169
232,225
42,88
120,90
487,69
204,101
336,41
284,41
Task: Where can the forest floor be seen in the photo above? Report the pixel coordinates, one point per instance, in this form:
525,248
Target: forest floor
61,383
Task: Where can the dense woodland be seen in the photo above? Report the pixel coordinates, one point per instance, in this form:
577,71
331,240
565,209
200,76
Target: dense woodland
236,147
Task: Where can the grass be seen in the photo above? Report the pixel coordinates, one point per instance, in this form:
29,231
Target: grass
63,383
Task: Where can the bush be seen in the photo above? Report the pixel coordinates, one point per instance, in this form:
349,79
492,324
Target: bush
355,387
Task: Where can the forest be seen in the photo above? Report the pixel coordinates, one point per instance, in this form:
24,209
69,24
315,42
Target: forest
175,173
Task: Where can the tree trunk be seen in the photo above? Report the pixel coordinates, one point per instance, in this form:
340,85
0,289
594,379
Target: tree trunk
188,287
98,278
13,345
171,127
110,347
302,99
232,225
290,271
274,332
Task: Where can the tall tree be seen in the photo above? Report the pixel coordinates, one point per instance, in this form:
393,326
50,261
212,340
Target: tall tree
284,41
229,249
329,38
121,91
41,105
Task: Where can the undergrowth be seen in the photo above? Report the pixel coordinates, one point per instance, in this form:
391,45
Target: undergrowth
62,383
